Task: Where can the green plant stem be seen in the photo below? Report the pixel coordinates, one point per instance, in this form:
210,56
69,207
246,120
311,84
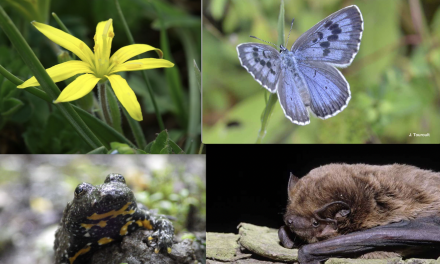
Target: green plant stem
46,82
201,148
194,94
63,27
106,133
144,75
136,130
115,111
273,98
103,102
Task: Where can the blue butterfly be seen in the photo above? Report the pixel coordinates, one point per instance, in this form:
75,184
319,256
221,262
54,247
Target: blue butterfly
306,77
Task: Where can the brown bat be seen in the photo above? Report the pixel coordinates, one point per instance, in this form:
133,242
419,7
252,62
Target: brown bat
341,210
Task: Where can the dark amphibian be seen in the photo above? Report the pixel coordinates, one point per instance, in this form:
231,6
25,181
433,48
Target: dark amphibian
100,215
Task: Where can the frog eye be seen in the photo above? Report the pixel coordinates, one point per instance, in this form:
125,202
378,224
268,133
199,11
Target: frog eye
114,177
81,189
315,223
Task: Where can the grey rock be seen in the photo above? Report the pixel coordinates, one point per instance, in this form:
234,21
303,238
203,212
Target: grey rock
134,250
264,241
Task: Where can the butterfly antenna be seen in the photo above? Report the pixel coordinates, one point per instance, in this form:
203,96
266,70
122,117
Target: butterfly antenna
264,41
289,32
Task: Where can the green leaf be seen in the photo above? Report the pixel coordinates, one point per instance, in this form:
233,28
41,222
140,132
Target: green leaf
11,106
165,150
100,150
176,149
163,145
160,142
121,148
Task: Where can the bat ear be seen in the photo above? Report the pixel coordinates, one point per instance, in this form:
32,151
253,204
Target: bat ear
292,182
333,211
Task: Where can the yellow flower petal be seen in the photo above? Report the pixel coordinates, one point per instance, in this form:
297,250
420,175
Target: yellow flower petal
142,64
61,72
126,96
78,88
125,53
66,41
103,43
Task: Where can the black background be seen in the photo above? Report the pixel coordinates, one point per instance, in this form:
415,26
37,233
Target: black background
248,183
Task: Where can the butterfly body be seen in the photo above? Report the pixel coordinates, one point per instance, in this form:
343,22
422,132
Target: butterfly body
305,76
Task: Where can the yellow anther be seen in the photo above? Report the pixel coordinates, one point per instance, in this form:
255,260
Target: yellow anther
169,250
150,238
156,250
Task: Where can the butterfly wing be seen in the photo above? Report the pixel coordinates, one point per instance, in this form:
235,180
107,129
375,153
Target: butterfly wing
328,89
290,99
334,40
262,62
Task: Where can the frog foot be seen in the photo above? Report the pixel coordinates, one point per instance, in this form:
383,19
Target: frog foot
162,238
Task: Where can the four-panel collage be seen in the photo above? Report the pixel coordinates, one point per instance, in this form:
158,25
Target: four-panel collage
265,85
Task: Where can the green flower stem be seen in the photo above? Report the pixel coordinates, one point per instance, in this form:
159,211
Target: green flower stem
63,27
136,129
46,82
144,75
273,98
115,111
106,133
103,101
194,94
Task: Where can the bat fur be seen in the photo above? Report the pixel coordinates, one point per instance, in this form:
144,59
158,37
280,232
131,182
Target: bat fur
339,199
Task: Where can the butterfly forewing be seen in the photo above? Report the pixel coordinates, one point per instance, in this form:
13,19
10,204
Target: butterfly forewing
290,99
262,62
328,89
334,40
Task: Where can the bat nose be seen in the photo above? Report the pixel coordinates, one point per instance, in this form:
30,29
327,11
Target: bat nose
289,221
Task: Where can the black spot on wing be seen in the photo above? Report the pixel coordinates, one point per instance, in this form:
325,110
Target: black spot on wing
334,26
326,52
336,31
268,64
255,54
262,62
255,49
332,38
257,60
328,24
272,72
314,41
325,44
320,35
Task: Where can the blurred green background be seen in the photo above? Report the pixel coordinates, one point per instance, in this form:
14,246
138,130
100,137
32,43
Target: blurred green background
394,79
30,125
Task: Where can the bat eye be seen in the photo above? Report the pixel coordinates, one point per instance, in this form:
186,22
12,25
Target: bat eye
315,223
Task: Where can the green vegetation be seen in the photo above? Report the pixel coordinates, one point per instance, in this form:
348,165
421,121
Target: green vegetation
394,79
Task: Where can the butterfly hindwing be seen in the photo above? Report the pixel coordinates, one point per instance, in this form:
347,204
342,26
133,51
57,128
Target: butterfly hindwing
290,99
262,62
328,89
335,39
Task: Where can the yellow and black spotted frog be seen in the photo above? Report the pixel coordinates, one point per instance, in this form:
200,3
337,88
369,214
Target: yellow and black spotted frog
100,215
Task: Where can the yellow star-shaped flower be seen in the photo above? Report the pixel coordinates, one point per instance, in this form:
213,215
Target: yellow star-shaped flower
98,66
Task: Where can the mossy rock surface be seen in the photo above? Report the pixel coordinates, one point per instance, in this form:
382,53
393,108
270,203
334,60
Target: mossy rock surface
223,247
264,241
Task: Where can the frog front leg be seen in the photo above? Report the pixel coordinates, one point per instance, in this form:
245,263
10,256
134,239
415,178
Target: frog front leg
163,235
